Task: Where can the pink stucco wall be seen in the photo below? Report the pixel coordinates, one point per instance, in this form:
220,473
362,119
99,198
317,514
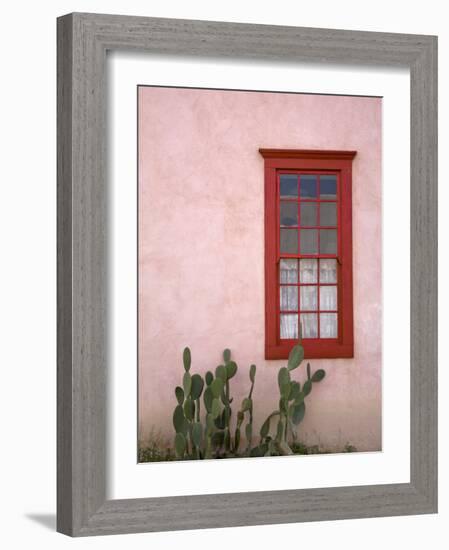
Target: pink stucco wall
201,250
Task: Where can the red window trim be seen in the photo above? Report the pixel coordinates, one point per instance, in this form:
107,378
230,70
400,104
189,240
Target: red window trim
339,162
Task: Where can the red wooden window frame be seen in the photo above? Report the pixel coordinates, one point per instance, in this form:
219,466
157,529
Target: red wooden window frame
309,161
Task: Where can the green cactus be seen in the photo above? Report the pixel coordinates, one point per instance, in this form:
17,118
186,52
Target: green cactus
295,357
189,409
249,425
180,445
187,384
215,409
295,390
195,393
252,373
297,413
179,420
187,359
208,398
196,387
217,387
179,392
213,435
318,375
236,439
292,407
220,372
307,387
231,369
197,434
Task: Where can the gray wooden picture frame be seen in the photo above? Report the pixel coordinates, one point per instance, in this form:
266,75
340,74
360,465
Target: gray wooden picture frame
83,40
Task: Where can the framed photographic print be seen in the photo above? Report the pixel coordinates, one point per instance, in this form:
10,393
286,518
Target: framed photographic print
246,274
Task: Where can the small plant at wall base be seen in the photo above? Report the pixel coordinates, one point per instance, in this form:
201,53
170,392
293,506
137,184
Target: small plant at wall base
211,435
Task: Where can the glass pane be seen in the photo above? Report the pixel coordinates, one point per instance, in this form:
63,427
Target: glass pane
328,187
308,214
328,241
309,325
308,295
289,326
289,271
328,213
328,271
288,185
309,241
308,186
289,298
328,325
308,271
328,297
289,213
289,241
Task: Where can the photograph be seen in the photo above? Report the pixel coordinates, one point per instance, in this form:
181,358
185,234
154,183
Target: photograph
259,273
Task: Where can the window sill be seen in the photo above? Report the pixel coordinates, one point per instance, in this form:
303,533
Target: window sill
313,349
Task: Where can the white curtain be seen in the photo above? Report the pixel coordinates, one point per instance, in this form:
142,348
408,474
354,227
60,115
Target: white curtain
288,271
289,326
289,298
309,298
308,271
309,325
328,325
328,271
328,298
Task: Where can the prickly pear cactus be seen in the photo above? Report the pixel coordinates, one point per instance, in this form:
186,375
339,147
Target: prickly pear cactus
291,409
203,418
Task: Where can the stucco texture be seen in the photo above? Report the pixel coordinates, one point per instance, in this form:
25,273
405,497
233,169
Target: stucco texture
201,251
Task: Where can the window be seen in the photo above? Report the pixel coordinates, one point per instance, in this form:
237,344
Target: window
308,252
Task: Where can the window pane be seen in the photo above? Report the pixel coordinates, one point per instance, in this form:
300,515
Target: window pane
328,213
328,270
308,214
308,271
328,187
328,241
289,298
289,326
288,185
289,271
328,297
328,325
289,213
289,241
308,295
309,241
308,185
309,325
